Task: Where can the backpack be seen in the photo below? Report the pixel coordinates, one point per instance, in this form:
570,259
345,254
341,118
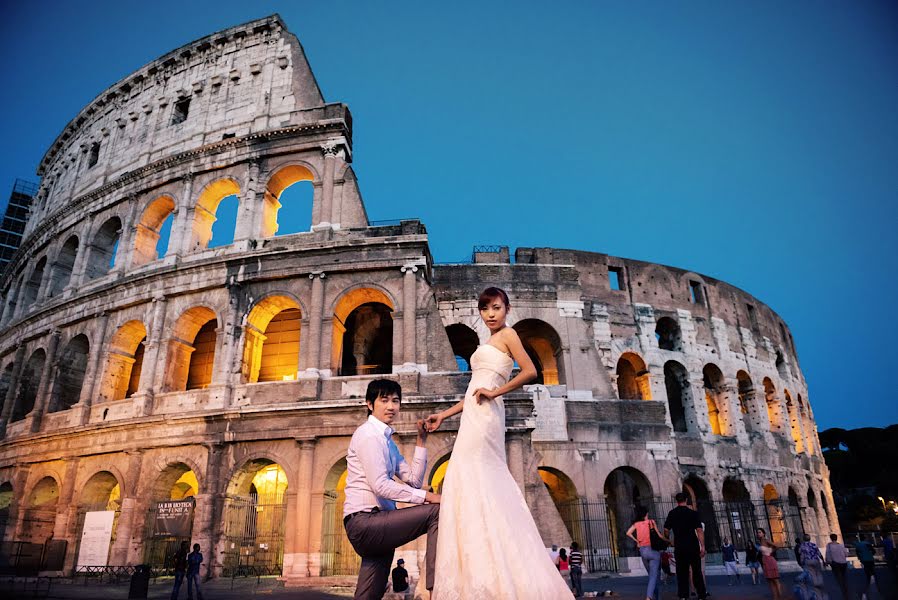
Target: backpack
657,543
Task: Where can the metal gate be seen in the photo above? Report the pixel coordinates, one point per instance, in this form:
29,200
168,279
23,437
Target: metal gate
159,551
338,557
254,537
591,528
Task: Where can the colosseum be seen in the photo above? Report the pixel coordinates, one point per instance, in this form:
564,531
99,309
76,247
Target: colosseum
208,393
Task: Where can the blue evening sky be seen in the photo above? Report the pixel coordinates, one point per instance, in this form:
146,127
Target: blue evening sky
755,142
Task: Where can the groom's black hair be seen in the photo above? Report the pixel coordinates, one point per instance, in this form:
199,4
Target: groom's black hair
381,387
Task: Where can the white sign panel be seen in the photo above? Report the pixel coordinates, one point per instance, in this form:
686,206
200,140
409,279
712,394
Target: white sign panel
551,418
95,538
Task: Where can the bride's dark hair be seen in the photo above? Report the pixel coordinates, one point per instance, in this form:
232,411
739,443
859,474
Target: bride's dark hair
490,294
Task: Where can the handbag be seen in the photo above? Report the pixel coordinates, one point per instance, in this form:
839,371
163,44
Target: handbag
656,541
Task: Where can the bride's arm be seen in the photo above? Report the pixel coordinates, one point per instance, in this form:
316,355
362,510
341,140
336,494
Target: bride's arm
434,421
524,376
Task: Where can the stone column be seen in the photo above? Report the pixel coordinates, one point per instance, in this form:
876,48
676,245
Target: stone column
182,231
316,312
45,388
153,353
329,151
302,541
209,523
249,216
94,374
229,368
126,240
13,391
128,513
409,317
66,524
84,247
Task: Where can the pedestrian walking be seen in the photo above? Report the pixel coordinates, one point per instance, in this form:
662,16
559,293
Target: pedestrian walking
768,564
576,561
689,546
564,566
753,561
194,562
837,559
641,532
813,566
180,563
730,561
864,550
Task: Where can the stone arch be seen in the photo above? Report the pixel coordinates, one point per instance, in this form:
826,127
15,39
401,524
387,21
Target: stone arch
70,371
676,382
633,379
668,335
807,425
626,488
191,350
774,410
464,342
12,299
564,495
283,177
701,500
794,422
438,473
33,286
740,517
746,396
177,480
124,362
363,325
206,208
543,345
39,516
29,382
103,248
271,346
6,380
716,399
102,491
148,228
337,554
7,498
775,515
61,274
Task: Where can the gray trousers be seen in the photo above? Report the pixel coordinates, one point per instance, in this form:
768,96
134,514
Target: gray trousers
375,536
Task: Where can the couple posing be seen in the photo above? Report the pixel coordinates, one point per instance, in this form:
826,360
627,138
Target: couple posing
482,542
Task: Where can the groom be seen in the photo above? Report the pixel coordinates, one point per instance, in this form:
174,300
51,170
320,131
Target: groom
373,525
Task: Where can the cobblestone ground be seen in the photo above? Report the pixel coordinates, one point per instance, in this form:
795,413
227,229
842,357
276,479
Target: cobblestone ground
624,588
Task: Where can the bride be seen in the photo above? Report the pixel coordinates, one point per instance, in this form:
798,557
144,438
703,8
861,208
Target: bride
489,546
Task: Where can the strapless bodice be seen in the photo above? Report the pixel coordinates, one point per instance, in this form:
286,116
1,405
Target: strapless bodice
489,358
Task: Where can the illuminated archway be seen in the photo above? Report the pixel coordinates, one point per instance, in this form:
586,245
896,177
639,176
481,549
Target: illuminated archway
124,362
40,511
746,395
774,410
146,237
191,350
101,492
543,345
362,340
271,348
176,482
206,208
337,555
282,179
633,382
794,422
564,494
716,399
625,489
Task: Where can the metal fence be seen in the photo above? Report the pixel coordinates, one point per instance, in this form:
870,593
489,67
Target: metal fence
159,551
337,555
599,527
254,537
25,559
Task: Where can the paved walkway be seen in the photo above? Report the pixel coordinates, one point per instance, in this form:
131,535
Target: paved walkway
624,588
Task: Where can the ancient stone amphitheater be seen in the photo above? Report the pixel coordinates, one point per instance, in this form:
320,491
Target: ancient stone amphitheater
223,383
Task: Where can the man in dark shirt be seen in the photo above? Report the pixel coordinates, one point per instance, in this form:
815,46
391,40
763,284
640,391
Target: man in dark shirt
400,577
689,547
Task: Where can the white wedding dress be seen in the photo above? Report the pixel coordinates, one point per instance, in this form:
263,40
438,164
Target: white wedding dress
488,545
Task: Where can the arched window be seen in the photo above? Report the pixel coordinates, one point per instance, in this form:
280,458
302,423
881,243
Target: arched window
70,374
676,381
667,332
363,333
271,350
149,244
625,489
191,350
289,187
716,398
746,396
29,382
633,378
103,247
202,359
781,365
33,287
206,215
774,410
61,274
543,345
124,362
40,512
464,342
794,422
807,425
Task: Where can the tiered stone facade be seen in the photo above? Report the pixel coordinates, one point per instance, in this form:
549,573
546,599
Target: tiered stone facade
128,378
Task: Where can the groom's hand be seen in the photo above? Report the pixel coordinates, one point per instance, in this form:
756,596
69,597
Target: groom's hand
431,498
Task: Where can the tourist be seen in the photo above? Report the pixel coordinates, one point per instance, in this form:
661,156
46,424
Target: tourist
813,566
576,562
753,561
553,554
768,564
641,532
180,563
400,577
689,546
563,566
864,551
837,559
194,561
730,560
796,549
665,566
